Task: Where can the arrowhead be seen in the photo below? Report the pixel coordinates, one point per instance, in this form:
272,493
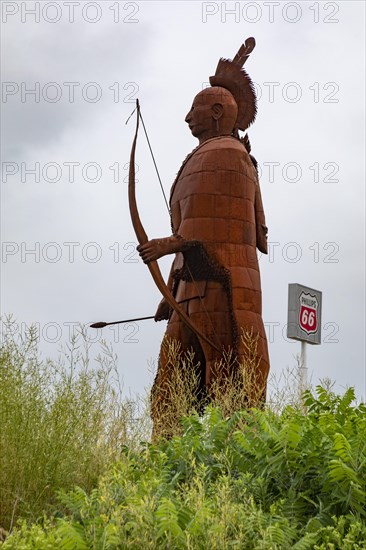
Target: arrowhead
99,325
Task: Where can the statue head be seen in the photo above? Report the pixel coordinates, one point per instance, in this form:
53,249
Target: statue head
213,113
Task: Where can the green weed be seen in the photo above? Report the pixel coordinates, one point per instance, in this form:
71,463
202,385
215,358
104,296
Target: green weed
62,424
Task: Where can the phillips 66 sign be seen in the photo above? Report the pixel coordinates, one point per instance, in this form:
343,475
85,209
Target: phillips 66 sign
304,314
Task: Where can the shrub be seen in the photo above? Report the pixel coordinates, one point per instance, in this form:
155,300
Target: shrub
62,423
255,480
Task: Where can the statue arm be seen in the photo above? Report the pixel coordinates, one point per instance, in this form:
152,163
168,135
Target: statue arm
157,248
260,221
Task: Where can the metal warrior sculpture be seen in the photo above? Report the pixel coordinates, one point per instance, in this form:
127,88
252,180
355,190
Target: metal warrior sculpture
217,221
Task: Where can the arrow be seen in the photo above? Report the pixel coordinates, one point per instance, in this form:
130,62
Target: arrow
101,324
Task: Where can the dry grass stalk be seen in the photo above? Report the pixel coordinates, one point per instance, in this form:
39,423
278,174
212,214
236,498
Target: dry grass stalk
235,385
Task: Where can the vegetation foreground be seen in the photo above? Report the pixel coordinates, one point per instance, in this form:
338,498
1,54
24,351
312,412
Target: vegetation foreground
74,474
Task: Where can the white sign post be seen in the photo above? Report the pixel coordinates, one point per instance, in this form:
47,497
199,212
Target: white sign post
304,321
303,368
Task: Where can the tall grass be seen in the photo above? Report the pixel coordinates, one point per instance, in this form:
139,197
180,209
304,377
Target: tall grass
62,423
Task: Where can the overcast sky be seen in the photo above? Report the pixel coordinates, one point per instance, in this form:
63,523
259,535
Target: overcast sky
71,73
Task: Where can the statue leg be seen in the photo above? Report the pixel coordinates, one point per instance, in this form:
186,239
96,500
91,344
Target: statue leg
249,369
167,402
211,313
253,353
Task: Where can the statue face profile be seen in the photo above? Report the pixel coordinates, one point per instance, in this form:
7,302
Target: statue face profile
213,113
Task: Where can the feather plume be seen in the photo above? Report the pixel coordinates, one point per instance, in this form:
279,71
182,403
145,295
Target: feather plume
230,75
244,51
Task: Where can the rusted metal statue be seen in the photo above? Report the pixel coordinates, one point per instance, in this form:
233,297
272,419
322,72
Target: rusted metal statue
217,222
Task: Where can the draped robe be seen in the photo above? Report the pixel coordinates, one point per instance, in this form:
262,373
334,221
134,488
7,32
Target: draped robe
216,209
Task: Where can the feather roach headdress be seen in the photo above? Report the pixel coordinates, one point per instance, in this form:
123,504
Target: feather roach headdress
230,75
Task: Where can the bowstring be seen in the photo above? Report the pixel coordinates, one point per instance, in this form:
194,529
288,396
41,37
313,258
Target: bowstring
156,168
152,155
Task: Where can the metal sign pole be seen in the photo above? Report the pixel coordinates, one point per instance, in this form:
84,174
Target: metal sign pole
303,368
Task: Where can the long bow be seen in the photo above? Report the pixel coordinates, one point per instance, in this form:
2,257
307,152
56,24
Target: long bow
143,238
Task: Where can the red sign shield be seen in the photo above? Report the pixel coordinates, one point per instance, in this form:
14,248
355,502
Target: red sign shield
308,317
